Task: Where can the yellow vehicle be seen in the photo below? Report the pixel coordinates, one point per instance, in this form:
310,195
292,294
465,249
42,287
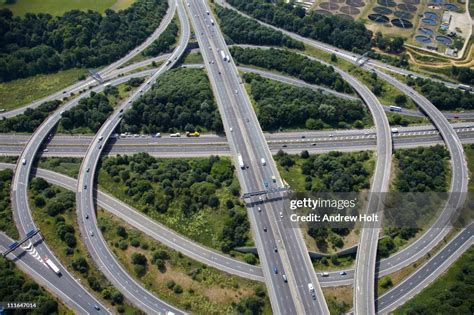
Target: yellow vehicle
192,134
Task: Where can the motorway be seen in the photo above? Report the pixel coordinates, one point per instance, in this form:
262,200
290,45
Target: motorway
459,175
90,232
364,302
246,139
426,274
19,193
206,145
65,287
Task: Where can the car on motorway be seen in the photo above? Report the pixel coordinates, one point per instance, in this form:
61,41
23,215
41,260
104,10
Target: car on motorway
85,186
88,169
259,209
281,214
97,307
45,150
274,179
23,161
265,184
231,129
342,273
275,269
275,249
264,228
92,233
303,137
285,279
324,274
313,144
87,216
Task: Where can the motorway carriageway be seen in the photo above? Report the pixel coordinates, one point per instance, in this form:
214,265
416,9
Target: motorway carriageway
394,297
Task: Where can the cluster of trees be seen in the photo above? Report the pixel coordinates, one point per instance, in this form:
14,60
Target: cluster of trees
443,97
89,114
163,44
293,64
41,43
29,120
422,169
6,217
235,231
336,171
452,293
463,74
331,172
185,186
181,99
252,305
392,45
55,202
284,106
14,286
421,172
334,30
243,30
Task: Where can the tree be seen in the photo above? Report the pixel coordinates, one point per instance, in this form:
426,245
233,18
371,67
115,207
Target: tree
400,99
121,231
250,259
139,259
116,297
80,264
396,45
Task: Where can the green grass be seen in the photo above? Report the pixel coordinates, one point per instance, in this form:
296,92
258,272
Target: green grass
58,7
20,92
404,120
64,165
193,58
205,289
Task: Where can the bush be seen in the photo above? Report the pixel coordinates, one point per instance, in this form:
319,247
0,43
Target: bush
250,259
178,289
139,259
170,284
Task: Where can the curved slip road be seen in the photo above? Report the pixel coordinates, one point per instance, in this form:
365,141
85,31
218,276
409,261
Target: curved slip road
90,232
19,190
66,287
459,177
106,73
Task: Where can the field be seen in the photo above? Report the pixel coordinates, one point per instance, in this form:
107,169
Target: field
181,281
58,7
19,92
